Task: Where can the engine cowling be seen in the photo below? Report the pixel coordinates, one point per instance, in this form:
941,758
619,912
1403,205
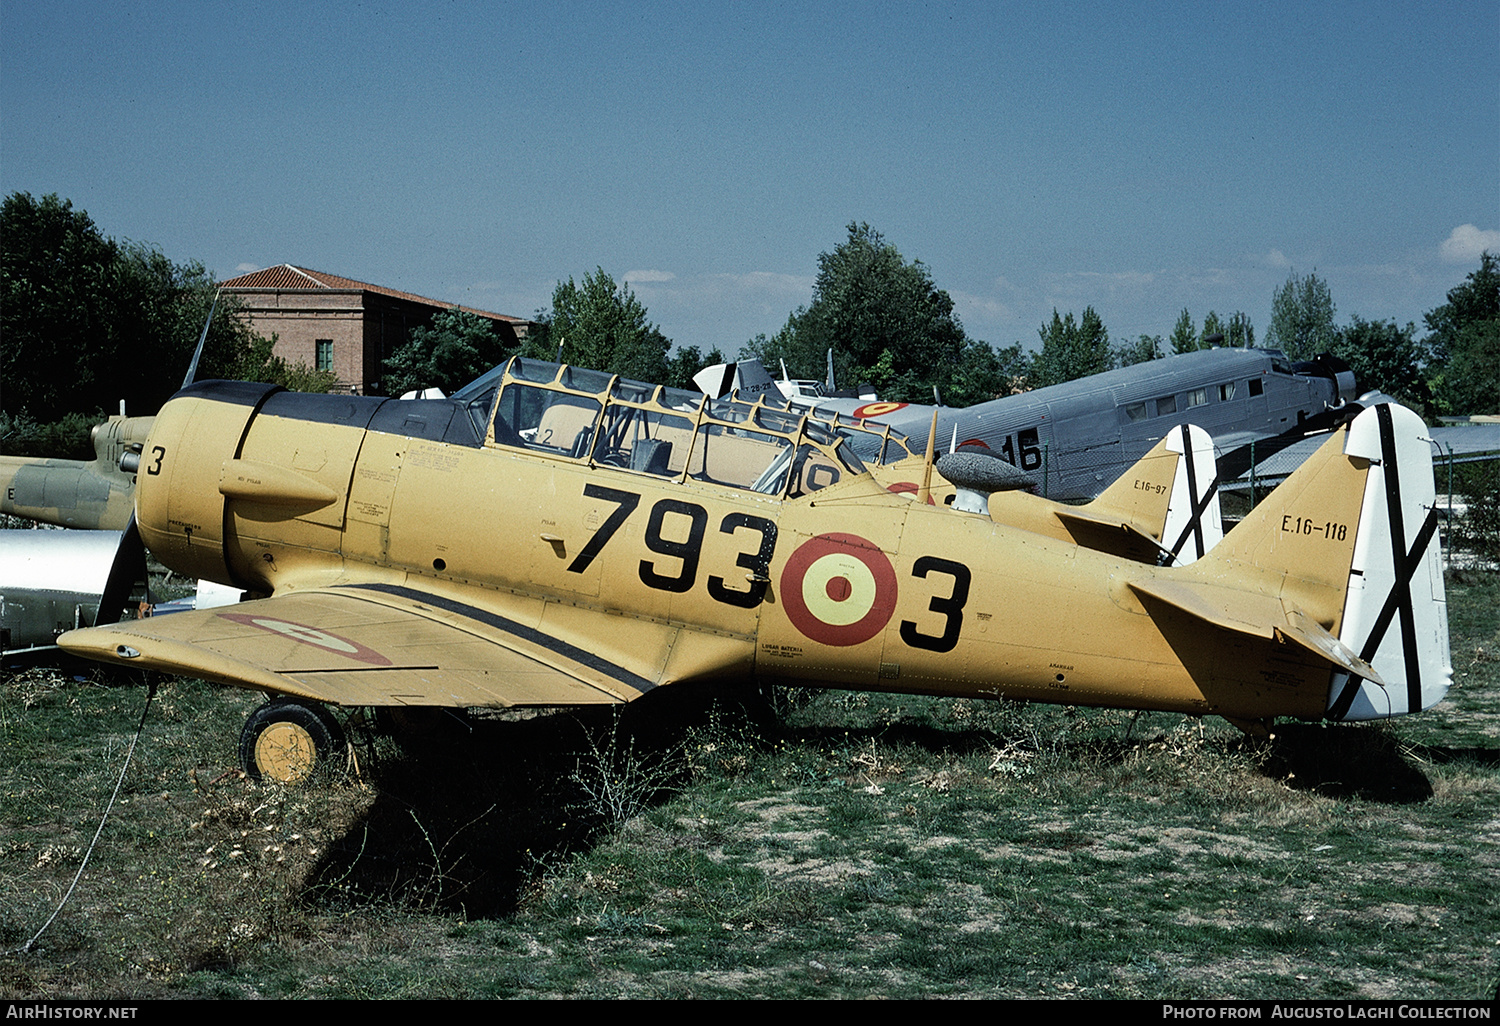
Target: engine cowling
180,510
1326,365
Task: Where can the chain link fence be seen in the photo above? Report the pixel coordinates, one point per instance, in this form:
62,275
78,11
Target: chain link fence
1468,491
1074,474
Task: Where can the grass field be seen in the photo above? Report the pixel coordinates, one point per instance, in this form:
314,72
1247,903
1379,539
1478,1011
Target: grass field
794,844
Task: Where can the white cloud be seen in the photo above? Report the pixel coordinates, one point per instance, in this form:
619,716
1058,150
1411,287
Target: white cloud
771,282
980,308
636,277
1466,243
1276,258
1081,283
246,268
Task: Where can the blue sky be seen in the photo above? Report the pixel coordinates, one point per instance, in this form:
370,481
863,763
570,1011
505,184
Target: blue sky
1139,159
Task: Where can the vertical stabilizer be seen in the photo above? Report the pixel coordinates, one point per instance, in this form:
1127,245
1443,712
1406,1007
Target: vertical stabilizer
1171,494
1194,524
745,379
1395,613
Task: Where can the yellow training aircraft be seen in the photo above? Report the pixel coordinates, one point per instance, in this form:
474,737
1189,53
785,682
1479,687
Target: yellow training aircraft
73,493
552,536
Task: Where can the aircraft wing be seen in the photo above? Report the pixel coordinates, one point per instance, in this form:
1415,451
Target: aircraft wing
374,645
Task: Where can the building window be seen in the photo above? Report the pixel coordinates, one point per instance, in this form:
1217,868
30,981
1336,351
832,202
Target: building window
1197,397
1226,392
1136,412
1166,405
324,354
1256,388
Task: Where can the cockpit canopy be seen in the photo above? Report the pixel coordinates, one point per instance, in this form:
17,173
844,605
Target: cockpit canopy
590,416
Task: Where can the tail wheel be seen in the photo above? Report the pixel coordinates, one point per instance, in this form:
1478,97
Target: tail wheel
285,741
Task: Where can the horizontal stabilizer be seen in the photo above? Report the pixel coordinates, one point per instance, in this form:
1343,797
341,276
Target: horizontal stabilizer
1259,616
1110,534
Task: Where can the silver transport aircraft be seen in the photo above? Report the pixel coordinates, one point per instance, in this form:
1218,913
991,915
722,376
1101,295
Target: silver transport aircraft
1076,438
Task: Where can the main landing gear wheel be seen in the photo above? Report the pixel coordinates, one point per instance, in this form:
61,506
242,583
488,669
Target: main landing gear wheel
285,741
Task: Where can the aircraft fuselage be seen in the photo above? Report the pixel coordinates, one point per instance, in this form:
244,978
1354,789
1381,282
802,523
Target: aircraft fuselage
670,568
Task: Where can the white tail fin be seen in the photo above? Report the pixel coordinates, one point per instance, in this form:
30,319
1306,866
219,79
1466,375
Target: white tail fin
1179,513
744,378
1194,524
1395,612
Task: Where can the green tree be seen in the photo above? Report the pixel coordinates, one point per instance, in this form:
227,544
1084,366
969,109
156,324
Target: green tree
1071,350
1241,332
257,361
1464,340
687,361
1384,356
159,311
451,350
886,322
781,347
982,373
1143,349
602,326
56,269
1184,334
1212,326
88,321
1302,317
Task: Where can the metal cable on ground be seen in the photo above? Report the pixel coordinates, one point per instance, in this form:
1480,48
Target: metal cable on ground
26,948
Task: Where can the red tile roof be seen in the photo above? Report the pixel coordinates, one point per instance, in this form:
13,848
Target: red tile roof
289,276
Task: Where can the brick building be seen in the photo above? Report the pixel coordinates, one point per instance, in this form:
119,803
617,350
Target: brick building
342,325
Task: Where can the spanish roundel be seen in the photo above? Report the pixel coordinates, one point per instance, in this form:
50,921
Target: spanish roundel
305,635
838,589
878,409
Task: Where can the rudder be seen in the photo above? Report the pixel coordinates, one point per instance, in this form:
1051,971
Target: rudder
1395,612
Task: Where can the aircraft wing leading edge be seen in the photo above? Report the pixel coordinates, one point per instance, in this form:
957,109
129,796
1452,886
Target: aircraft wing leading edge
375,645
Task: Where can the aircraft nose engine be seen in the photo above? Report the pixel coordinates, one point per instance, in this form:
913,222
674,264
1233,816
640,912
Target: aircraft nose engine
1326,365
179,504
